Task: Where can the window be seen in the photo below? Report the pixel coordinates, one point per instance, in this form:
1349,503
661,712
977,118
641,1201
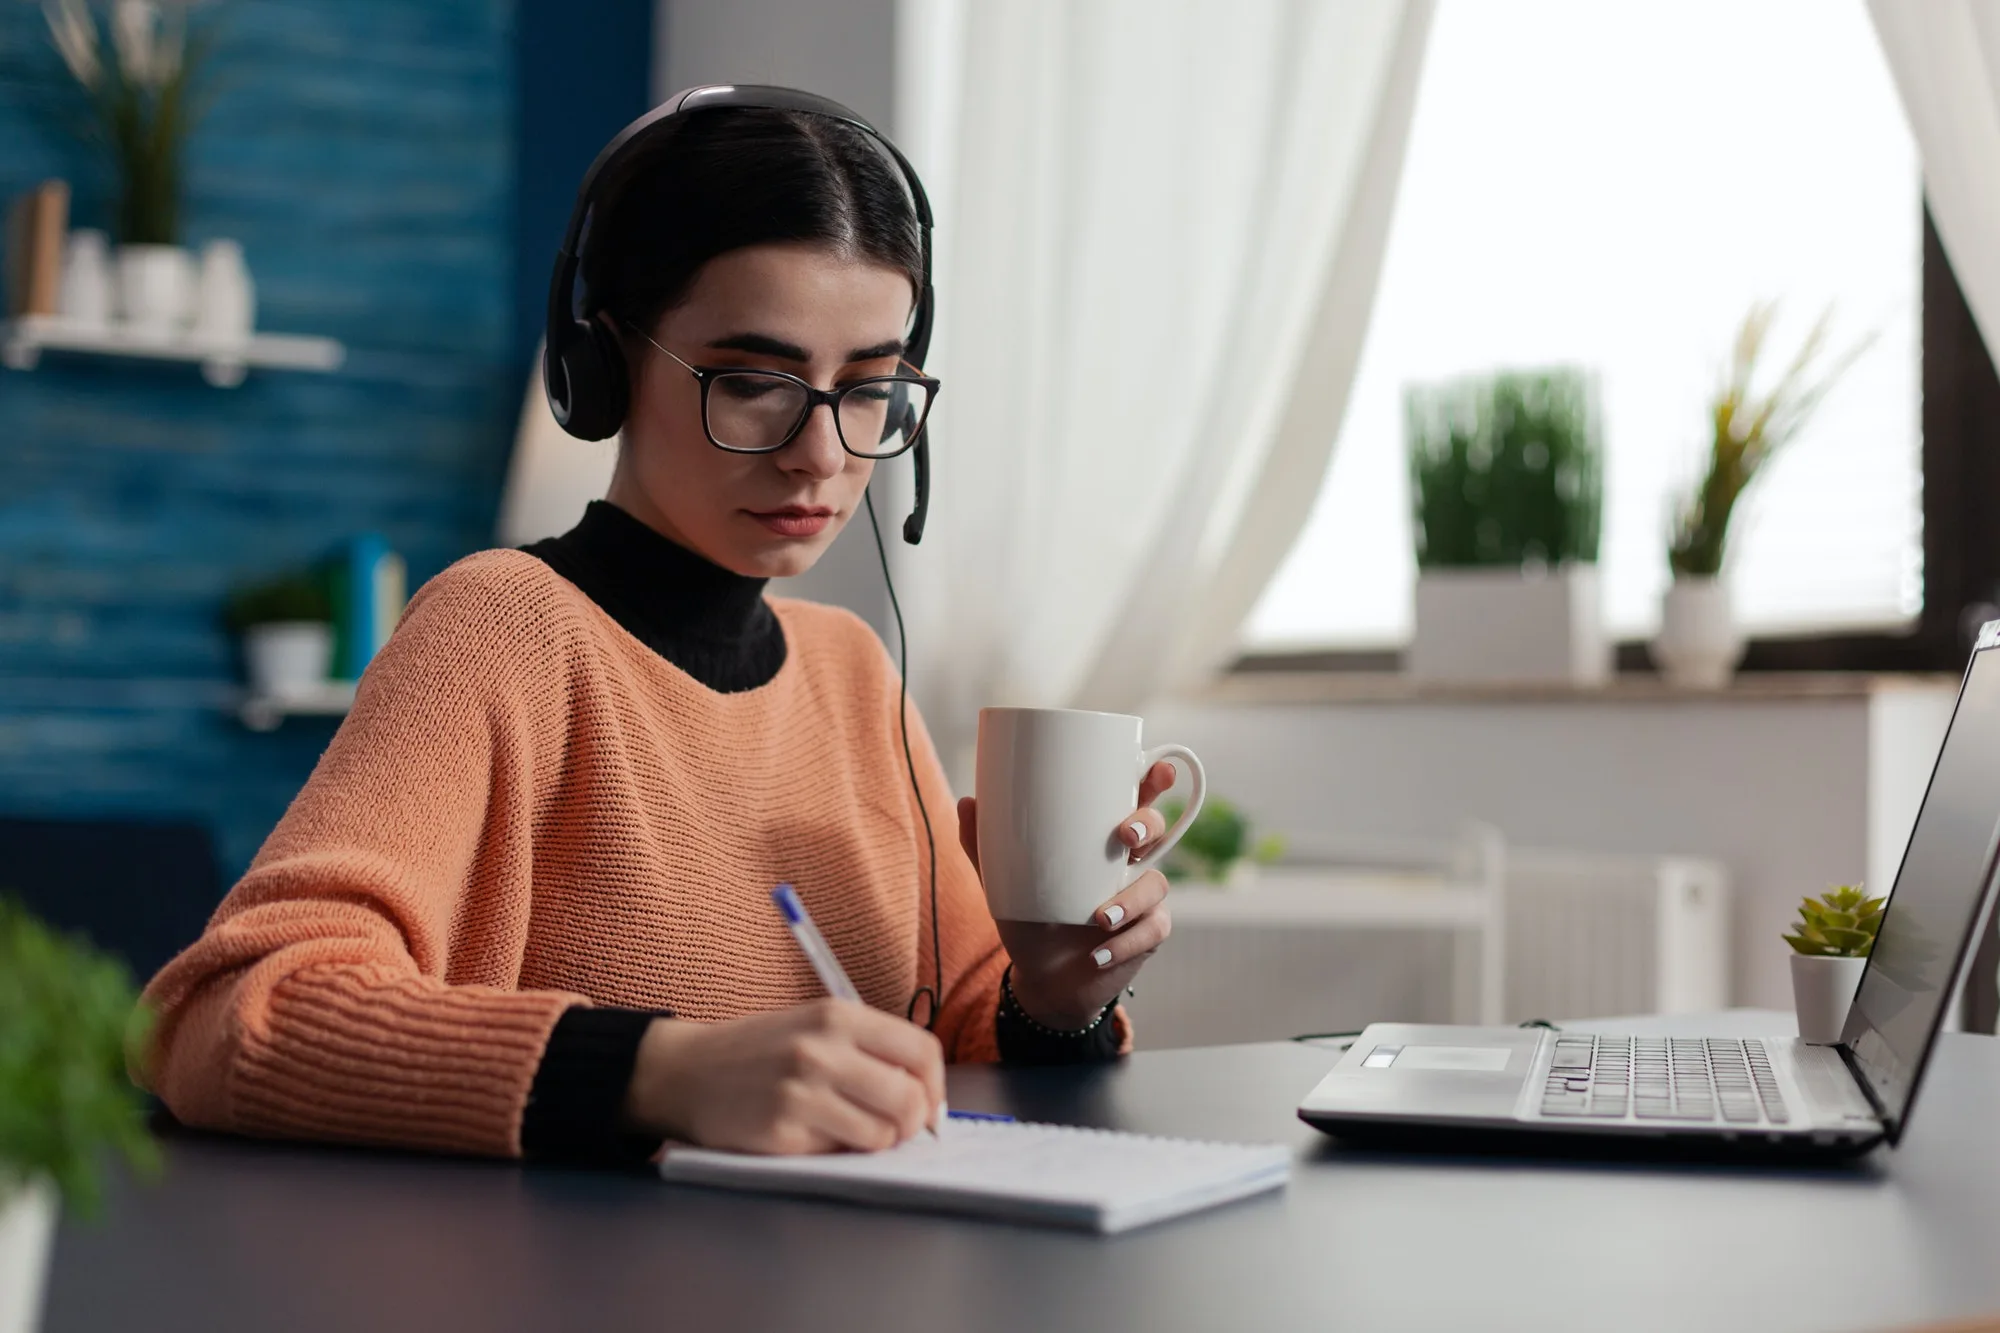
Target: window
1613,186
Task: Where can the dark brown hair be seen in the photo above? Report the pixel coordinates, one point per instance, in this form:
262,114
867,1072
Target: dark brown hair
739,176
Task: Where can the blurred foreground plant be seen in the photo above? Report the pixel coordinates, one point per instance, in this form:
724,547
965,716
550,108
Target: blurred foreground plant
66,1014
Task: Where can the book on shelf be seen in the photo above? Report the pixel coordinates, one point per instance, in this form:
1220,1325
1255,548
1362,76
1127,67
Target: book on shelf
37,225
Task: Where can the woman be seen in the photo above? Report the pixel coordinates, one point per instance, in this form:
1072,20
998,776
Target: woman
521,906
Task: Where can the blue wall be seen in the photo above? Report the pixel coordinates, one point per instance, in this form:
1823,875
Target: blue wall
364,153
585,72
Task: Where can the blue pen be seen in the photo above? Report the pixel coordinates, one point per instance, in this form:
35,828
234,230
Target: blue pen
814,946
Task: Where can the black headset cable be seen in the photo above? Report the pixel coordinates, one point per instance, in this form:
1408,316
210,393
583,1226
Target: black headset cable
936,992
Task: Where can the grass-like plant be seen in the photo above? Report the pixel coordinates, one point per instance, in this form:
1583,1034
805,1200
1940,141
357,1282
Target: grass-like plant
143,90
1506,470
1746,429
1219,837
66,1013
1840,923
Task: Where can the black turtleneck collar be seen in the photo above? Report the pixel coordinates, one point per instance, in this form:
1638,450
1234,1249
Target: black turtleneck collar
711,623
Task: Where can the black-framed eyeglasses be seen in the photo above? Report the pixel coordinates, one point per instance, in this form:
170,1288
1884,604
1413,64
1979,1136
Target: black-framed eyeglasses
761,411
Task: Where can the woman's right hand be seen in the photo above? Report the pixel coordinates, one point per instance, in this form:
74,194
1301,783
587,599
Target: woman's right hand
821,1077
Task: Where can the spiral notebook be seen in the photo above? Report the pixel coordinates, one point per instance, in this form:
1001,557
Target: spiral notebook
1056,1175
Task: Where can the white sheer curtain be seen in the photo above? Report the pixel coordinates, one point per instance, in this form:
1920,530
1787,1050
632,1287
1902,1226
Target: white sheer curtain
1160,225
1945,55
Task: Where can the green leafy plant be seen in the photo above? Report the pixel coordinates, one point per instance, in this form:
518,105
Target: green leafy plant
143,92
66,1014
1746,429
300,596
1219,837
1840,923
1506,470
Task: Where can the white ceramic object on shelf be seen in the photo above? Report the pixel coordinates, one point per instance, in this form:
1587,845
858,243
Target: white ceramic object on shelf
1698,645
155,289
1509,627
27,1227
85,295
1822,988
288,659
225,307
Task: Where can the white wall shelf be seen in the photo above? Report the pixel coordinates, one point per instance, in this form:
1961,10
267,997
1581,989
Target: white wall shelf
263,712
223,364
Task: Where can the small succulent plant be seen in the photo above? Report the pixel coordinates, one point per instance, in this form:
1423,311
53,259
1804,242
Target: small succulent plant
1840,923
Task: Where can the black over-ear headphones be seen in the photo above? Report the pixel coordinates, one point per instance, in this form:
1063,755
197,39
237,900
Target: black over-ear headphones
583,367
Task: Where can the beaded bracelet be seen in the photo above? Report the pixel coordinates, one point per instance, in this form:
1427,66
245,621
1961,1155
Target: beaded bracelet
1009,1002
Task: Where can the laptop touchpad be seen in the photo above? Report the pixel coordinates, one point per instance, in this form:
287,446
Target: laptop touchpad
1471,1059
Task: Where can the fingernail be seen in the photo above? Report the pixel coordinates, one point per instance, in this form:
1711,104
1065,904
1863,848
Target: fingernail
1138,827
1103,957
1113,914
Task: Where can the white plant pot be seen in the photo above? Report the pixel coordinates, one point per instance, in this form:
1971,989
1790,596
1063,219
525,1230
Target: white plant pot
27,1229
288,659
225,301
85,297
155,289
1822,988
1698,645
1509,627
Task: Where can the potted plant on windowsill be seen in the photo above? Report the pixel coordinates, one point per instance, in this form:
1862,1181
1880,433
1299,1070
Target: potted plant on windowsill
1699,643
66,1013
1218,847
286,626
1506,476
1830,943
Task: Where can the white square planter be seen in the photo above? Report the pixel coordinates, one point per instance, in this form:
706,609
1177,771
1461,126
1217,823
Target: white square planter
1509,627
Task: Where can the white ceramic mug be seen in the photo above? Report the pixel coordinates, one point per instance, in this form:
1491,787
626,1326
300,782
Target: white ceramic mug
1054,787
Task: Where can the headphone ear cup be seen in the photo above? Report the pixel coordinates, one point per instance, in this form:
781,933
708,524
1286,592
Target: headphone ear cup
586,382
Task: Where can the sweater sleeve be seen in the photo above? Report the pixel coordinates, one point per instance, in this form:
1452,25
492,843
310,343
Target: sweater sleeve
974,959
360,982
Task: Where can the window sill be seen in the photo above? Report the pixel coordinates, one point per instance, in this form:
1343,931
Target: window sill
1264,686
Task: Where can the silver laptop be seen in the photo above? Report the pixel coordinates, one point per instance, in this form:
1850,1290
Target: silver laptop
1428,1086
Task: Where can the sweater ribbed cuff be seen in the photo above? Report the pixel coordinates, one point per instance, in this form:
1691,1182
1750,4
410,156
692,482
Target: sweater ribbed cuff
352,1054
576,1106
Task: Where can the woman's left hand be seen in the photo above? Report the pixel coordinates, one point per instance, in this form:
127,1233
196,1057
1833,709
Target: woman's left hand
1065,975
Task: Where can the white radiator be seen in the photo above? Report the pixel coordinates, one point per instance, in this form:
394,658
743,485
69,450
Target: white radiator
1594,936
1478,934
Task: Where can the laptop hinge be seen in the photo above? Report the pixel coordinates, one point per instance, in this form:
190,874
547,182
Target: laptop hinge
1867,1088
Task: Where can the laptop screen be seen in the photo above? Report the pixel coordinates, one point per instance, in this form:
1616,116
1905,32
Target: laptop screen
1929,923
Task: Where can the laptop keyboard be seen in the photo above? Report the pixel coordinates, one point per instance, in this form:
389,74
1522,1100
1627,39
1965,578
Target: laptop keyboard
1663,1078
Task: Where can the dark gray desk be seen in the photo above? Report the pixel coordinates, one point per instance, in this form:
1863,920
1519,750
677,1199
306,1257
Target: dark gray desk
262,1236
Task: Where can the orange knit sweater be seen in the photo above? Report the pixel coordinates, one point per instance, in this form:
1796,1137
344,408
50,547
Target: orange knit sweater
529,809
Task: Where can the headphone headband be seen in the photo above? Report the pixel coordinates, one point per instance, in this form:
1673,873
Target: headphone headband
583,369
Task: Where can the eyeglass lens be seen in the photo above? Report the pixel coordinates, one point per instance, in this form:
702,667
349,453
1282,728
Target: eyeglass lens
877,418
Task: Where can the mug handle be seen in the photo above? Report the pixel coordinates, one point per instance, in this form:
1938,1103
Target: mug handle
1191,767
